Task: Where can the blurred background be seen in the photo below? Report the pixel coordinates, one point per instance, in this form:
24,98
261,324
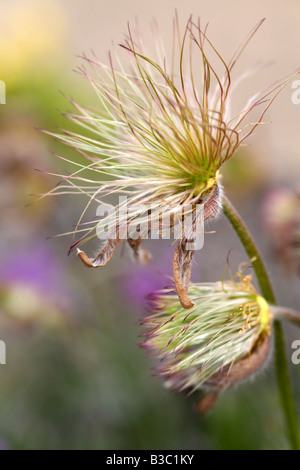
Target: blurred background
75,376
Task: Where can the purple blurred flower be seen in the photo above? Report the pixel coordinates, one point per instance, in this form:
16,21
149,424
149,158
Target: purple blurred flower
36,266
136,285
33,286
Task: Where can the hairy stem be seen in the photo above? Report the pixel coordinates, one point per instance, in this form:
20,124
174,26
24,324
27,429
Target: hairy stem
284,313
283,380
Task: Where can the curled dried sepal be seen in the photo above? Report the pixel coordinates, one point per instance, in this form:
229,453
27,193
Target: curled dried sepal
182,273
183,255
103,256
213,202
207,403
141,255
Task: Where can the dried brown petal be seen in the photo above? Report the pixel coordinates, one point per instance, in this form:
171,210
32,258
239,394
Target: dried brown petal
207,403
104,255
182,256
141,255
213,203
244,367
182,273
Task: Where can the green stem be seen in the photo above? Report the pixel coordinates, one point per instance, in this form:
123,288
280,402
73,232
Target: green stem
283,380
